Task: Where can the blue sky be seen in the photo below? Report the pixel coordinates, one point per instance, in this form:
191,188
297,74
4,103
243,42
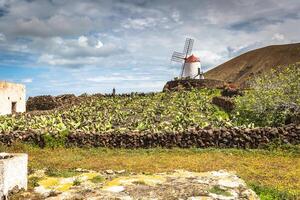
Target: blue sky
71,46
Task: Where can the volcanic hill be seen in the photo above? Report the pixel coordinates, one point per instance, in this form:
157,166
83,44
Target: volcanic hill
242,68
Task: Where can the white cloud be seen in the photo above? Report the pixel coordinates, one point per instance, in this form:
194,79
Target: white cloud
209,58
176,16
83,51
57,25
140,23
2,37
99,38
27,80
83,41
278,37
71,62
118,78
99,44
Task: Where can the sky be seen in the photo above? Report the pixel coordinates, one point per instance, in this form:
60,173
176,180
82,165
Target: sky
71,46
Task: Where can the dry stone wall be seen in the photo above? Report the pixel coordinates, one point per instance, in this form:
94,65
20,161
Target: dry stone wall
187,84
48,102
226,103
201,138
39,104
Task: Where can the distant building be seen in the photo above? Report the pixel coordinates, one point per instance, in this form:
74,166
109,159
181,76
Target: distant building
12,98
192,67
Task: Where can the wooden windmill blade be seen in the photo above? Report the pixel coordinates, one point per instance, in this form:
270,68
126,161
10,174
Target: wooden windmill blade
182,69
177,57
188,46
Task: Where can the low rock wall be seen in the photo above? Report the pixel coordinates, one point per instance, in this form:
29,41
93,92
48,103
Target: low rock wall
226,103
188,84
201,138
231,92
48,102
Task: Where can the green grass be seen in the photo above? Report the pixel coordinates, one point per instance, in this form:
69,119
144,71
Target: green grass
278,169
97,179
61,173
268,193
219,191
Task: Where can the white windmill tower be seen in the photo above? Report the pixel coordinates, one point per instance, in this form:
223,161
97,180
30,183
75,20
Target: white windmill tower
191,67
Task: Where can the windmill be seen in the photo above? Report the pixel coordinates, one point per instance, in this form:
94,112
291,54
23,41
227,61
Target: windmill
191,67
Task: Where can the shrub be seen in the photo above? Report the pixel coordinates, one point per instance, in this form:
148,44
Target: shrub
76,182
272,99
33,182
55,139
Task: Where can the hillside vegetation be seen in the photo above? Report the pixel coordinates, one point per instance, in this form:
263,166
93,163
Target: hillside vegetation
274,100
151,112
248,65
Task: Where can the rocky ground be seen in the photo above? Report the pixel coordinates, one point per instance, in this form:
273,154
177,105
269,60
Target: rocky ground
218,185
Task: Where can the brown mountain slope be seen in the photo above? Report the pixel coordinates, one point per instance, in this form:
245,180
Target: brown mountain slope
240,69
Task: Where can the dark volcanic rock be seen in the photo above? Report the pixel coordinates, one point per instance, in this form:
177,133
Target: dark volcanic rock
188,84
224,102
47,102
201,138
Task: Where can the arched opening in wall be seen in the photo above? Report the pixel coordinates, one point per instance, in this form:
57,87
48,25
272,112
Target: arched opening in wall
13,107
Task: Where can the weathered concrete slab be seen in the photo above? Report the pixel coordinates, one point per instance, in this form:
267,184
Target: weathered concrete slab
180,184
13,172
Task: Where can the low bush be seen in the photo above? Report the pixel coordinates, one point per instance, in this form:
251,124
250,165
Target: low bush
55,140
76,182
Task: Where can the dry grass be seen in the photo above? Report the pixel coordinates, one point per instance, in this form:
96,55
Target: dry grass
276,169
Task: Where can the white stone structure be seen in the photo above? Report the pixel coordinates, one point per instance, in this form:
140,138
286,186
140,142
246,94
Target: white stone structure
13,173
192,68
12,98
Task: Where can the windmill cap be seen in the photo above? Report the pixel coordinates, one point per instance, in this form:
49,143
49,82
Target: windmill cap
192,59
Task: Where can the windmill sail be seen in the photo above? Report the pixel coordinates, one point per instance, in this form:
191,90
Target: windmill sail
177,57
188,46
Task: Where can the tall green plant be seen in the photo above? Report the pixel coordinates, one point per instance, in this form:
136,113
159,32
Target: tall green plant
272,99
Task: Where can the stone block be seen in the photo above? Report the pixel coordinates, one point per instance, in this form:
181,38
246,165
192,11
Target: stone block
13,173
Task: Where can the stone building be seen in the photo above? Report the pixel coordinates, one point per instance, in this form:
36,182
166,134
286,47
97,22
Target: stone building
12,98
